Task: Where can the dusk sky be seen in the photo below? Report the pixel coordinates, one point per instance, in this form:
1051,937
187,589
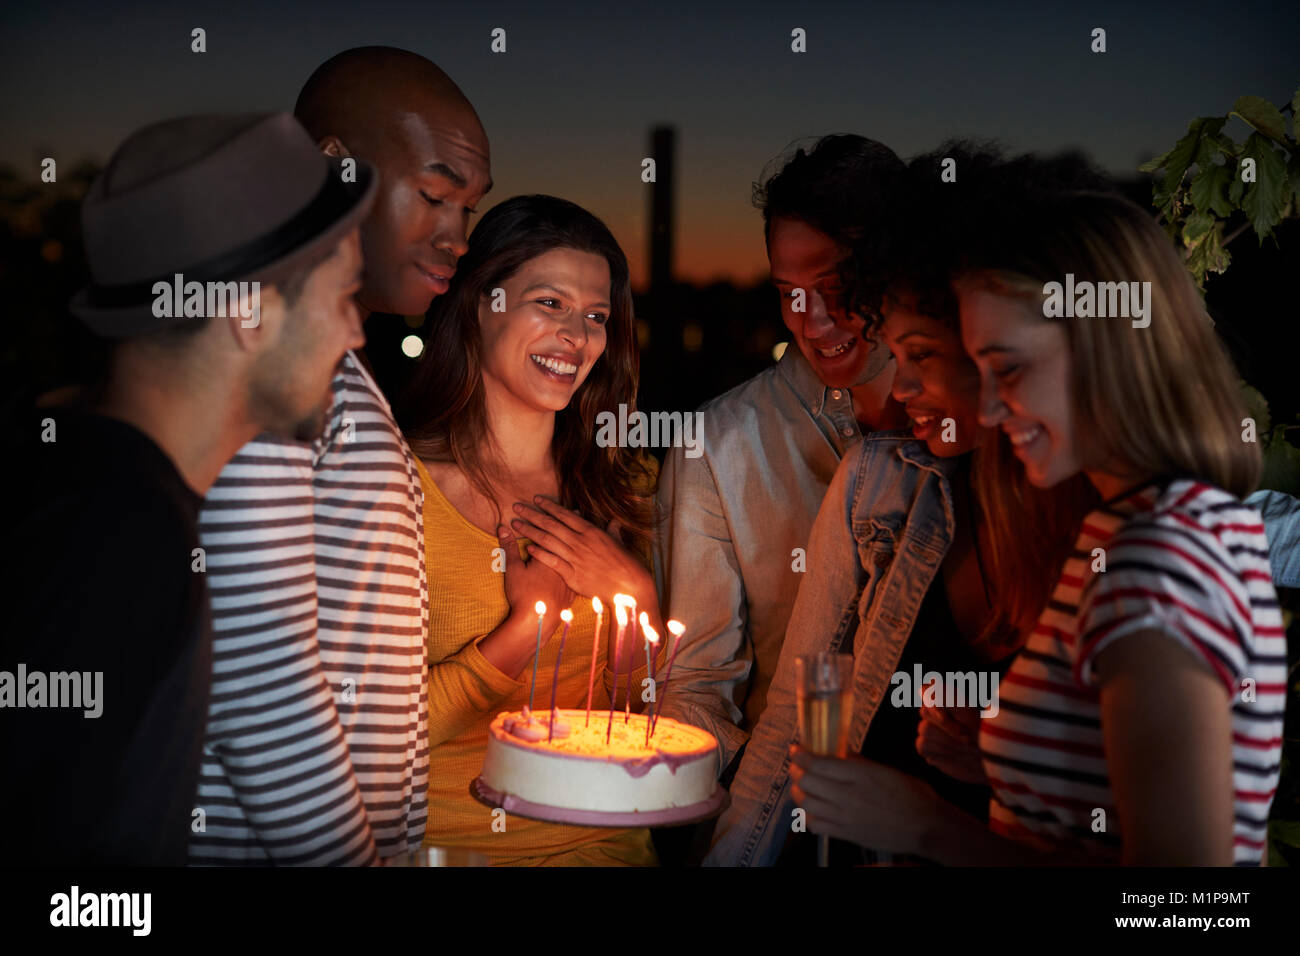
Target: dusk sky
569,105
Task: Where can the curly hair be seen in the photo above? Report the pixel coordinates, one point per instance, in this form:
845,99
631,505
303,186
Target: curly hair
933,224
840,186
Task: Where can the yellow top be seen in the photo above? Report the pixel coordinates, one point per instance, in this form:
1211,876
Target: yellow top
467,601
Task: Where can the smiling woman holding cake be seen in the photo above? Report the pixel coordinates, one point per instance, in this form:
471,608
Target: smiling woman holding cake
534,338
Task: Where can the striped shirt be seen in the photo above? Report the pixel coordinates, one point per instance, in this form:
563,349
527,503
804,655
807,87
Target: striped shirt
316,749
1188,560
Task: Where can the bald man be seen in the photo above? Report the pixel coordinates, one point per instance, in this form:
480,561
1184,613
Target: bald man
316,749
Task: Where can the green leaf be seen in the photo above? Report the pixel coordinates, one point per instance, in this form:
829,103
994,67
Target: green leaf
1196,226
1207,255
1213,143
1262,200
1151,165
1184,152
1210,190
1162,200
1235,189
1263,116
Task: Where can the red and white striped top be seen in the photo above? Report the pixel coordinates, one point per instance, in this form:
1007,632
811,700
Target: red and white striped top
1188,560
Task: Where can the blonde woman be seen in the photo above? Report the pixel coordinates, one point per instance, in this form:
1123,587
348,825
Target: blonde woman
1142,722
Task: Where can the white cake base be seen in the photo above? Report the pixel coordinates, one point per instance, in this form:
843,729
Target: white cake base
581,779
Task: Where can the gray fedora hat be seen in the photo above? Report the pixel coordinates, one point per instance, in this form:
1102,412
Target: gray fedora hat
214,199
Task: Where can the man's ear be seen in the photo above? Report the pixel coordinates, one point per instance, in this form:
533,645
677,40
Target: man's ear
333,146
255,325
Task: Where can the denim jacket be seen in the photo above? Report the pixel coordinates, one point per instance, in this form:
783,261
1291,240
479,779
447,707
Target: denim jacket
1281,514
881,534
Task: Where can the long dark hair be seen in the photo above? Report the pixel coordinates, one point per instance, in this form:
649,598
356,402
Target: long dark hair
442,410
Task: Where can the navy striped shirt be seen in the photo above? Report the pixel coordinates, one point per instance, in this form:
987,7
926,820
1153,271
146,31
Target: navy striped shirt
317,750
1189,561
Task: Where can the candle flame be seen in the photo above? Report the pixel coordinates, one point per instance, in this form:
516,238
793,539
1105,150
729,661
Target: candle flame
620,612
651,634
540,608
566,615
645,621
596,605
676,628
624,600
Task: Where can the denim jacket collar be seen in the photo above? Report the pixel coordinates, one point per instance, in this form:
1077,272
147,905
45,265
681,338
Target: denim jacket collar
862,597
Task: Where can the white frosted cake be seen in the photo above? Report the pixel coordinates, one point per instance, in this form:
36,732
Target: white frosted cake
579,778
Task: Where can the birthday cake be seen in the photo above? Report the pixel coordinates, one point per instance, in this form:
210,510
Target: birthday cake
577,777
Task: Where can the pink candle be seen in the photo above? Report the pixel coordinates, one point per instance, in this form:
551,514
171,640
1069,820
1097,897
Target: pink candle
540,608
595,652
651,643
620,614
631,647
651,637
677,629
567,617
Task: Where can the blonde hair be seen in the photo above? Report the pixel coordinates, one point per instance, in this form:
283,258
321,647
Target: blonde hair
1159,400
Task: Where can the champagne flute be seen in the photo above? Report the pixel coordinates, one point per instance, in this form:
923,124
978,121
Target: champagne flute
824,685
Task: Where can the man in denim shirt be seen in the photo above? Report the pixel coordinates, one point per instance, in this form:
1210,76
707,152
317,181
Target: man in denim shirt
731,554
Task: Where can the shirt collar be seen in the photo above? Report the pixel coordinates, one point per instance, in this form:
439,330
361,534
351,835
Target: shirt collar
1138,497
915,452
794,368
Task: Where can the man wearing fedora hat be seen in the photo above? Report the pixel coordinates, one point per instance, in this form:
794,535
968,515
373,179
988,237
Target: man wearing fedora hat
317,749
104,579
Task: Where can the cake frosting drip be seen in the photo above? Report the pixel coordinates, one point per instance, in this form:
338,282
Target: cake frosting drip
673,744
530,727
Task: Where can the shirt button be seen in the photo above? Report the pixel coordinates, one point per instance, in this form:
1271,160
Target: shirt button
835,394
846,431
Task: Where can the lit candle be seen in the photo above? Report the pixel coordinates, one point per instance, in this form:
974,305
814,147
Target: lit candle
620,615
540,608
651,641
631,647
595,652
567,617
677,629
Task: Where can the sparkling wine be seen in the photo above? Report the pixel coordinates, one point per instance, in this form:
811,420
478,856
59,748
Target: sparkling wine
824,722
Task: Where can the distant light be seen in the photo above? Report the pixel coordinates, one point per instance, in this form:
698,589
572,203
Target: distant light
778,350
52,250
692,337
412,346
642,333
